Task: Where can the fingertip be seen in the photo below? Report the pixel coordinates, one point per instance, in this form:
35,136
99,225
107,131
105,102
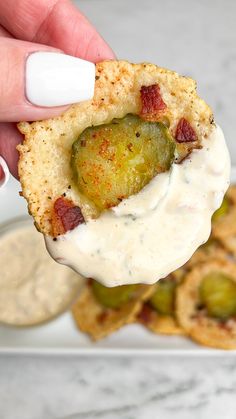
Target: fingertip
99,51
55,79
4,172
10,137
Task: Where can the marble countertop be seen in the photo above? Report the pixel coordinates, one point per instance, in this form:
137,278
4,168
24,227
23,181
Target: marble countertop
197,38
117,388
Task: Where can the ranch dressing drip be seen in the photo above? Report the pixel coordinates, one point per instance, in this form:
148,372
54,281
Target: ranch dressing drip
156,231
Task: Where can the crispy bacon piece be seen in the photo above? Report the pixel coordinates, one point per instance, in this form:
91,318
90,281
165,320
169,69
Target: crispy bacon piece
145,314
184,132
66,216
101,318
152,102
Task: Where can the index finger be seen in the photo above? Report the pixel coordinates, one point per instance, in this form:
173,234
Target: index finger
57,23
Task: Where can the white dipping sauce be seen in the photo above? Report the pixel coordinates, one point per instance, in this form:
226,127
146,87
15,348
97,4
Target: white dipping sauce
156,231
33,288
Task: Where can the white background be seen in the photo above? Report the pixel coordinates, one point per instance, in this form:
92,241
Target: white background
195,38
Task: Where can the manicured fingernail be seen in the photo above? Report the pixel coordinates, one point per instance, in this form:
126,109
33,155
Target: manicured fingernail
54,79
4,172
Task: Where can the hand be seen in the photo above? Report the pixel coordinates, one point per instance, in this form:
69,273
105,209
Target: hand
27,26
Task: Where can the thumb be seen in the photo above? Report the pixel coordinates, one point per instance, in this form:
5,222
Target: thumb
36,80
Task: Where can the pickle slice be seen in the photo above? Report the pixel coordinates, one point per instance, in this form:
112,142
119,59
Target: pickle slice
163,300
113,161
113,297
218,293
224,208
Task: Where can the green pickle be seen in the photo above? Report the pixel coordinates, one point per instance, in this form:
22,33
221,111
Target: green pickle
218,294
163,300
224,208
113,297
112,161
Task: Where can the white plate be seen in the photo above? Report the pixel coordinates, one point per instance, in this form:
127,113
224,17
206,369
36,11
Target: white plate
60,336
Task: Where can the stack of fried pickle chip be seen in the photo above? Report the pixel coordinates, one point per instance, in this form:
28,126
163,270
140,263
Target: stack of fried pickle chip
198,300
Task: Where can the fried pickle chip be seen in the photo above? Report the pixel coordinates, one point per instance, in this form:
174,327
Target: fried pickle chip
192,313
230,244
114,161
212,249
231,194
224,226
153,93
158,313
159,323
98,321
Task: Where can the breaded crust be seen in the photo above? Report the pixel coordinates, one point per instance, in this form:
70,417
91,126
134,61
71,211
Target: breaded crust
44,166
224,229
160,324
211,251
165,325
231,194
93,318
202,328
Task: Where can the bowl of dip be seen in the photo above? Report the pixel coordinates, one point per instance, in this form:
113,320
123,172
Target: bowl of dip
33,287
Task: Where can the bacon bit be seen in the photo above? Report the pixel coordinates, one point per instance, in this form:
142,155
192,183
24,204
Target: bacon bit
152,102
225,325
184,132
66,216
102,316
145,314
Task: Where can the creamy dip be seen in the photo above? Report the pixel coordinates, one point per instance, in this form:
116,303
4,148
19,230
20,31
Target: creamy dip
33,287
156,231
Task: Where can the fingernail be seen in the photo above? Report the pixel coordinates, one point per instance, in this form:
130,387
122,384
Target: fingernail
4,172
54,79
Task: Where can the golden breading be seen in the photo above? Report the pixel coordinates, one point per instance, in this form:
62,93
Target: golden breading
231,194
93,318
224,229
158,323
221,239
165,325
230,243
44,166
179,274
212,250
202,328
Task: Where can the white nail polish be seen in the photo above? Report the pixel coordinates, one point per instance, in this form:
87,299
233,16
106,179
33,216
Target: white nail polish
6,176
54,79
